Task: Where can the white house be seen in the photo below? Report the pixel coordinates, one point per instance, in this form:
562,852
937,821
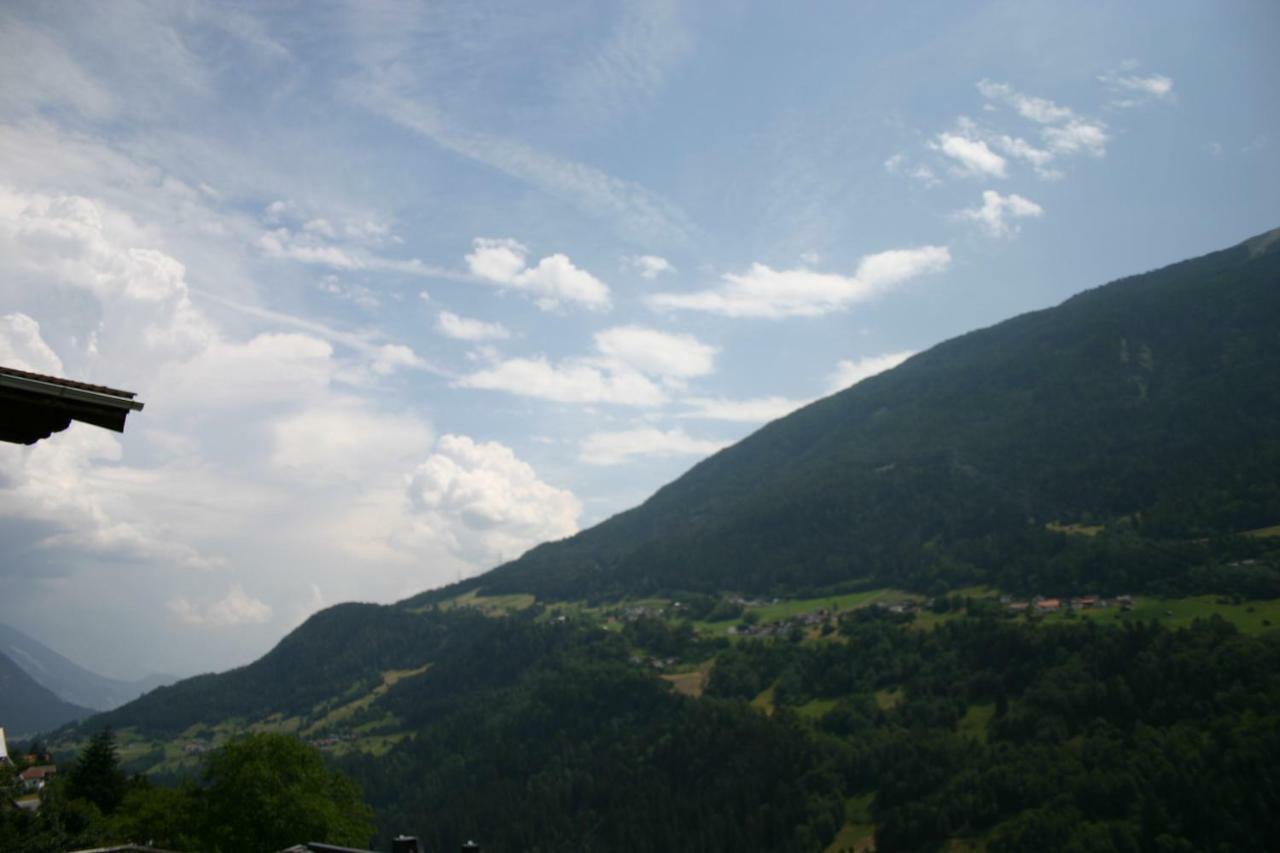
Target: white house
4,747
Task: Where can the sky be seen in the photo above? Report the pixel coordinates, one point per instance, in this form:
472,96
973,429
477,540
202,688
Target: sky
409,288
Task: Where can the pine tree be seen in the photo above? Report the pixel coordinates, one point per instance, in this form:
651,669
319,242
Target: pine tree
96,776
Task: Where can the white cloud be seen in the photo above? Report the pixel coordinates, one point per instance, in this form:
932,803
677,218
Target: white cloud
850,372
649,266
344,441
997,212
1063,130
625,71
765,292
972,155
464,329
22,348
635,211
553,280
754,410
236,608
615,448
899,164
657,353
573,381
485,504
1039,158
631,362
1077,137
313,247
356,294
1039,110
1134,89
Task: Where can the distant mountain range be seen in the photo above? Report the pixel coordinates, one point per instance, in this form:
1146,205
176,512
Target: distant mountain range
68,680
27,708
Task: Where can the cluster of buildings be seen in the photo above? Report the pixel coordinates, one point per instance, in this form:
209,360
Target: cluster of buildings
37,770
784,627
1042,605
330,741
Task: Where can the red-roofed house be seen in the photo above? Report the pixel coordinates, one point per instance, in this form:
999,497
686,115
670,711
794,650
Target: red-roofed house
33,778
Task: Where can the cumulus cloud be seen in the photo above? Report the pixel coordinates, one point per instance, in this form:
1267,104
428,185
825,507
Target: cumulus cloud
649,266
753,410
464,329
765,292
657,353
484,503
616,448
254,450
552,281
22,347
236,608
850,372
572,381
973,156
997,213
632,367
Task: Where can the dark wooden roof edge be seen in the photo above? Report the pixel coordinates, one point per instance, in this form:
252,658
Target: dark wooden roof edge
53,386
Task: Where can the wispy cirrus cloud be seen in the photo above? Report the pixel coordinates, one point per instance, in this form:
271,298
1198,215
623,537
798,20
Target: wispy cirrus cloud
635,211
1132,89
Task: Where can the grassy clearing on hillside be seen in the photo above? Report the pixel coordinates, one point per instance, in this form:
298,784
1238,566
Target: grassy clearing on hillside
1075,529
765,701
816,709
975,721
490,605
690,683
858,833
1264,532
389,679
887,700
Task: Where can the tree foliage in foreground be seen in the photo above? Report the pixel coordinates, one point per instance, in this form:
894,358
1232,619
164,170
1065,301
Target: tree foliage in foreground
262,792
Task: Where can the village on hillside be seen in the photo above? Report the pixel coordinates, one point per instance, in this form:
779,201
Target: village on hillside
23,777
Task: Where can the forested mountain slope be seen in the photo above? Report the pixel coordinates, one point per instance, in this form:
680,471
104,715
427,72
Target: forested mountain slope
1150,405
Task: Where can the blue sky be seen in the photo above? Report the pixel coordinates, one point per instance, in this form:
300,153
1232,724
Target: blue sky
408,288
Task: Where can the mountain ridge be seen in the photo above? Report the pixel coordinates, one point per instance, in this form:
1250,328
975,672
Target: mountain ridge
69,680
26,707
